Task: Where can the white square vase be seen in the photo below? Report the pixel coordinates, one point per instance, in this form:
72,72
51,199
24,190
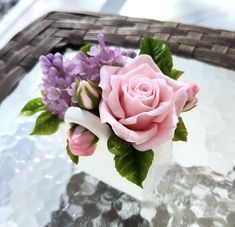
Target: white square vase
101,164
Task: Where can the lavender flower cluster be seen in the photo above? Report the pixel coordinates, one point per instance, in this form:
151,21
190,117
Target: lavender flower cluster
60,75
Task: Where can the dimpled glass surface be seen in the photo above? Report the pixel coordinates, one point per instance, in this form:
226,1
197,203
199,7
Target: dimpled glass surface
40,187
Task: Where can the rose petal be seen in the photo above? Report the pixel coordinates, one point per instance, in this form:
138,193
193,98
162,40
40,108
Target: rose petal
142,121
105,75
165,106
180,100
114,97
122,131
165,132
143,70
139,60
132,105
149,97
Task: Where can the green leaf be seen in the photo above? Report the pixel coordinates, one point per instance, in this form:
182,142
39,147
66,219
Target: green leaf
117,146
33,106
129,162
74,158
180,131
46,124
86,48
159,52
175,74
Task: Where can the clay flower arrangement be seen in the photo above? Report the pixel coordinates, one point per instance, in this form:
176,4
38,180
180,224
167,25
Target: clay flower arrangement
139,98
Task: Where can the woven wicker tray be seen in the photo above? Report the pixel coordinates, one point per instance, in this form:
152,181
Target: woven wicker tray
58,30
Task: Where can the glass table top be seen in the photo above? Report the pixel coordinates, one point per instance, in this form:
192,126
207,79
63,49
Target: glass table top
39,186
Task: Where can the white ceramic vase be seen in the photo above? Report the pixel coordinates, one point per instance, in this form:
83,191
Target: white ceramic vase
101,164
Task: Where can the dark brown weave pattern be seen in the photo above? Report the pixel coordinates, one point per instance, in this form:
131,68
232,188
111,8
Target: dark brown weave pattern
58,30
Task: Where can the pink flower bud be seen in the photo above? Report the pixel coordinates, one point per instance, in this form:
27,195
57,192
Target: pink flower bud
192,90
82,142
87,95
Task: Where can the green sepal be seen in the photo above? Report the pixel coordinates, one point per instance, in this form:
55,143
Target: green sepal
33,106
79,99
77,82
94,99
74,158
46,124
175,74
96,139
189,109
72,127
129,162
95,87
181,133
86,48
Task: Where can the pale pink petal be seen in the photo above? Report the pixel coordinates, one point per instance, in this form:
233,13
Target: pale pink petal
143,70
192,90
83,95
165,132
175,84
167,100
79,130
165,106
134,136
86,139
181,98
150,101
137,61
105,75
89,151
163,109
132,105
142,121
81,142
114,97
146,90
122,131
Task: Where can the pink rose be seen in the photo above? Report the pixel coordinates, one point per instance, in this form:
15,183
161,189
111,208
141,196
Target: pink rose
82,142
140,103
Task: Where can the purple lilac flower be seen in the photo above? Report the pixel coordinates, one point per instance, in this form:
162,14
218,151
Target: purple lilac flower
88,67
59,81
72,91
56,81
109,56
85,68
128,53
